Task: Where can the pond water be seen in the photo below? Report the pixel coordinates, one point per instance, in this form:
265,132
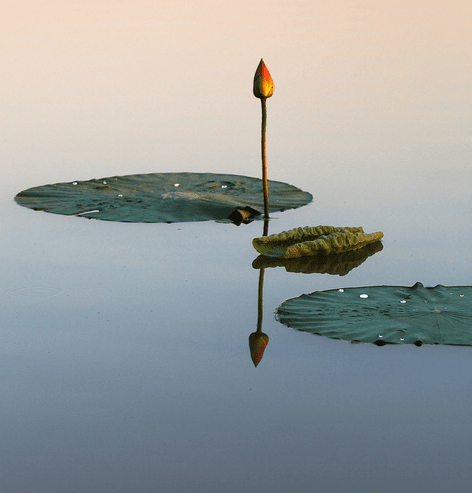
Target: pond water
126,362
124,346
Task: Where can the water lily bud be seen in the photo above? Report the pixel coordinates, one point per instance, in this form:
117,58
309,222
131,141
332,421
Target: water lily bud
263,83
257,343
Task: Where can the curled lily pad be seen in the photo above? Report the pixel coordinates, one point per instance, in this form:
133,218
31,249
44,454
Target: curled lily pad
161,197
338,265
385,314
303,242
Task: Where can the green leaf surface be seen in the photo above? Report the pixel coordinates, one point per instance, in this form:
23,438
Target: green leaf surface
161,197
307,241
384,314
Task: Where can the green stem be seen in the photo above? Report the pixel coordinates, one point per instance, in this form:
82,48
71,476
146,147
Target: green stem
265,187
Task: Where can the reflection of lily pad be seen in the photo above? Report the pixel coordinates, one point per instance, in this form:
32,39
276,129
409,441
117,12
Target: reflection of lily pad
303,242
339,265
161,197
385,314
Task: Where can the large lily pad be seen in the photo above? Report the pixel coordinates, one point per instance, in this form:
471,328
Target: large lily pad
161,197
385,314
307,241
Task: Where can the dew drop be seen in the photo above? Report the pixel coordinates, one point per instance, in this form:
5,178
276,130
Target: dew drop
341,290
224,186
104,182
363,296
120,195
380,337
176,185
403,301
402,338
74,183
461,295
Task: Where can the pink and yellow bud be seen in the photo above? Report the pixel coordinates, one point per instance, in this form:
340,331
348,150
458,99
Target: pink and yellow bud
263,83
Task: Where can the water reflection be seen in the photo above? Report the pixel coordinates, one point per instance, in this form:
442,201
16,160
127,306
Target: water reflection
337,264
258,340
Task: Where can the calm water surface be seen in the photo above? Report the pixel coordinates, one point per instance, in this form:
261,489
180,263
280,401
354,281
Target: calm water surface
126,365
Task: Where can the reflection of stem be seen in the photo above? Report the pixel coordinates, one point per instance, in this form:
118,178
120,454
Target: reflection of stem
259,301
258,340
265,232
264,158
266,227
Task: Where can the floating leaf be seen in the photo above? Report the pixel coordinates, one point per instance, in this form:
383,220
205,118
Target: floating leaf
338,265
385,314
161,197
303,242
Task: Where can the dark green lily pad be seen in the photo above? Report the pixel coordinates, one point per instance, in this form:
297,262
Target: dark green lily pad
161,197
385,314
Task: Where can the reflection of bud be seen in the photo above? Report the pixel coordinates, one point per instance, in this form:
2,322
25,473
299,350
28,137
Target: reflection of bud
263,83
257,344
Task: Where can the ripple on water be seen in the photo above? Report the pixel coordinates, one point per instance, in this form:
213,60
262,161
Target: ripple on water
36,292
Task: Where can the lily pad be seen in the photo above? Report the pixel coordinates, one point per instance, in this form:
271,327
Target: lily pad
307,241
385,314
338,265
161,197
